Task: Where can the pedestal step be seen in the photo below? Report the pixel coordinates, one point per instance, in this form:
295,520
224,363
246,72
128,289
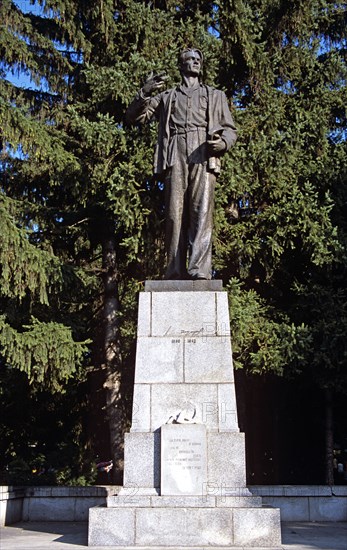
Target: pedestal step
208,501
174,526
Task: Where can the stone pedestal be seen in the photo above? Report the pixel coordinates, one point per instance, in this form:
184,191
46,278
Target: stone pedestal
184,462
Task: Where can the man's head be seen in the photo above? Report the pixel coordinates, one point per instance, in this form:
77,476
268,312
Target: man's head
190,62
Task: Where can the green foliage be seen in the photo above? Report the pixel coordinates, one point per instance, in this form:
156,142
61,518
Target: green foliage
82,217
324,309
264,340
46,352
279,215
24,267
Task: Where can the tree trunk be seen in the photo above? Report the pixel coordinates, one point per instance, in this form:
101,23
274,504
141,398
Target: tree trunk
112,356
329,438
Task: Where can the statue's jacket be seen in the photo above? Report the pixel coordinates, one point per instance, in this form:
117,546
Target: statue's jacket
219,120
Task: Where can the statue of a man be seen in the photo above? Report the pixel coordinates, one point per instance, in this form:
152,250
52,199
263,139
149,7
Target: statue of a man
195,130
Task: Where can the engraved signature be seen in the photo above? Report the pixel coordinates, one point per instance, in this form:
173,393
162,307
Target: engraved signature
186,332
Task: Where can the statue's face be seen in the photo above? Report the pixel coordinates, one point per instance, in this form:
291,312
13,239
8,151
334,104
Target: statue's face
191,63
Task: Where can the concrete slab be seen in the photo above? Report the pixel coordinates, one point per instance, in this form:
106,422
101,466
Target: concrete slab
169,399
73,536
331,509
159,360
207,360
223,321
227,409
142,458
257,527
199,527
189,314
111,526
293,509
141,418
226,459
144,315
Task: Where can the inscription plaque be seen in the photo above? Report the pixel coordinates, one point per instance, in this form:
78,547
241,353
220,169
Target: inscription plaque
183,459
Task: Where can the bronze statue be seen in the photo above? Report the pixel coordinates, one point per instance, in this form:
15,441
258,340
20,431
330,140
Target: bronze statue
195,130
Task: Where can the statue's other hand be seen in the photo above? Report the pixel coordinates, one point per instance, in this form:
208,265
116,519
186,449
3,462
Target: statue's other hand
154,83
216,145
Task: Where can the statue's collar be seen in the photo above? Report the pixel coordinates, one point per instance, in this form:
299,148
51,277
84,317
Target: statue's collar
188,91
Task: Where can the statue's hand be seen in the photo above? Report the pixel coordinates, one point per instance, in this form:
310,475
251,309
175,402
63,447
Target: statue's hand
154,83
216,145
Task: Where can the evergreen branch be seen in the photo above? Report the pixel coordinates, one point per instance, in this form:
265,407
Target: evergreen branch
24,268
35,137
46,352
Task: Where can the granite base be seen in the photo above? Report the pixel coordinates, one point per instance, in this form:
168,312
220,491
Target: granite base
172,521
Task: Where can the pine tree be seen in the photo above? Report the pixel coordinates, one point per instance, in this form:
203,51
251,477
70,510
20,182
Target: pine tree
285,187
82,215
81,182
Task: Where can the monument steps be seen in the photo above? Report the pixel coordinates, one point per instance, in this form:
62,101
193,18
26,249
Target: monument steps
185,526
184,501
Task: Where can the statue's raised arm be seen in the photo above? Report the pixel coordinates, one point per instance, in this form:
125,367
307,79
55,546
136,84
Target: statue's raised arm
195,129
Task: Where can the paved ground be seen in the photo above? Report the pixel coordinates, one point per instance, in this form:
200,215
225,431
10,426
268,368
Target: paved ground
73,536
